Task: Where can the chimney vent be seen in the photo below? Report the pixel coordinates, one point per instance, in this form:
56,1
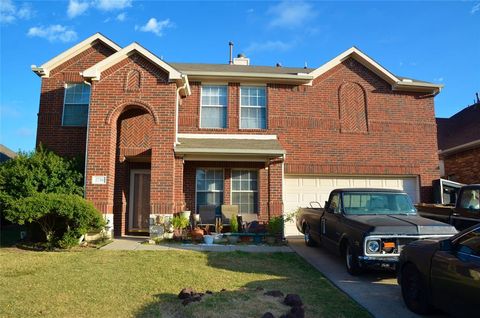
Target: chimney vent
241,59
230,44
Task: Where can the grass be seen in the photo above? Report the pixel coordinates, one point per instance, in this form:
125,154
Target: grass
94,283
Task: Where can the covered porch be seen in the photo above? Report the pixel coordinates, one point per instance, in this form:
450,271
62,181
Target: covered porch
243,171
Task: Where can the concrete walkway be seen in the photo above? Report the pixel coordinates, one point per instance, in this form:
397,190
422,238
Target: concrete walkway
377,291
135,244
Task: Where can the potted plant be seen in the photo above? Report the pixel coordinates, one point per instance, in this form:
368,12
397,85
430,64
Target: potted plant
275,228
208,239
233,237
197,234
179,223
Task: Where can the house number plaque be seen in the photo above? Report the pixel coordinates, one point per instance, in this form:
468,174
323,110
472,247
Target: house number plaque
99,179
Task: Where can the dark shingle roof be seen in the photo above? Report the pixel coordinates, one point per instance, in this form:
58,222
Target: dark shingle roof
461,128
229,146
187,67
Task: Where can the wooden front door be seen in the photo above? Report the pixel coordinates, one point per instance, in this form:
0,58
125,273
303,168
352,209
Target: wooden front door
139,205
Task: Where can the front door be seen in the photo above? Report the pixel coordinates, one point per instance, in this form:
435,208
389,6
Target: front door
139,205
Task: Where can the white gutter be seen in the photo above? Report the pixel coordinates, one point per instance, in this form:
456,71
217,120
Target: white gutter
185,87
86,143
465,146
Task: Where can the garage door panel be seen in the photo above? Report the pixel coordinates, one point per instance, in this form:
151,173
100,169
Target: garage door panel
301,190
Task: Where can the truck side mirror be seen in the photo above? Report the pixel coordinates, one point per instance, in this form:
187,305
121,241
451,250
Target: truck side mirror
445,245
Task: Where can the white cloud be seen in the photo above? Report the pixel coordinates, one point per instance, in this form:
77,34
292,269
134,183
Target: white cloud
475,8
9,12
438,79
290,14
155,26
121,17
76,8
108,5
53,33
269,46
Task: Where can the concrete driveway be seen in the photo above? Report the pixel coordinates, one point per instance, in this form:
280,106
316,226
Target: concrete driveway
377,291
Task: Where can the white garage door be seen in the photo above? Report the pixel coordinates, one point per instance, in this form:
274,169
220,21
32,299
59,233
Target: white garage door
301,190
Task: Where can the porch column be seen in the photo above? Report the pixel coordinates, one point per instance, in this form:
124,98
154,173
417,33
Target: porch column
275,203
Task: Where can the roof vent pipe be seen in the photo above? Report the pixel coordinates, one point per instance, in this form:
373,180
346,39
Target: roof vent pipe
230,44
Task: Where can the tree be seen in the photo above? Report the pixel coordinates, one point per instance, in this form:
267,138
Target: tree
38,171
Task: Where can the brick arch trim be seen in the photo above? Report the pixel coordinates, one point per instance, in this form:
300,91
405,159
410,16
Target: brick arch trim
117,110
353,107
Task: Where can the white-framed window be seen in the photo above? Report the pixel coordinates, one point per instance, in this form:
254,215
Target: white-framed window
75,106
253,107
213,112
245,190
209,187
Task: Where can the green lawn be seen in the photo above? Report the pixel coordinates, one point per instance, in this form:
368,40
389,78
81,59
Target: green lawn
95,283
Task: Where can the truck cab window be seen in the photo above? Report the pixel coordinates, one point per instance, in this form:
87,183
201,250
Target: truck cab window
470,200
335,204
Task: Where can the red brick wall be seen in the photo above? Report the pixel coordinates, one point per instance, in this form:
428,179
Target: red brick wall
147,125
464,166
395,135
65,141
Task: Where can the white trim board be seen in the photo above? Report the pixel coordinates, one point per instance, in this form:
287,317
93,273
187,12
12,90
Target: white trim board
227,136
45,68
94,72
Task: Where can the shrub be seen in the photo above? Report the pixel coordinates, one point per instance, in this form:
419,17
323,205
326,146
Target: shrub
275,225
180,222
38,171
233,224
63,218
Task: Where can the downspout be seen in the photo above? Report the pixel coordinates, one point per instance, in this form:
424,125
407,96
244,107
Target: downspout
177,106
86,143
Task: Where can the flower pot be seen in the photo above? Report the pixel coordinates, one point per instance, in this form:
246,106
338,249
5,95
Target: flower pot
168,235
185,214
232,239
197,234
217,238
270,239
177,234
258,239
208,239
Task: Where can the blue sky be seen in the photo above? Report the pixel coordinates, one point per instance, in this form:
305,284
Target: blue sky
432,41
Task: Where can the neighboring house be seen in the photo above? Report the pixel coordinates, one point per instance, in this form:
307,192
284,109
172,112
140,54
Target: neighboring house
163,137
6,153
459,145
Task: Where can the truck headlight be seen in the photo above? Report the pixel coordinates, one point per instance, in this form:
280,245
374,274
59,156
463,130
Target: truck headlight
373,246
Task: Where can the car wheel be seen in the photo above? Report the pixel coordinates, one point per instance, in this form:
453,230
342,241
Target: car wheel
351,260
308,236
414,292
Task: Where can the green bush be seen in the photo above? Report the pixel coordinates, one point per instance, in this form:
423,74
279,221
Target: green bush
38,171
275,225
63,218
233,224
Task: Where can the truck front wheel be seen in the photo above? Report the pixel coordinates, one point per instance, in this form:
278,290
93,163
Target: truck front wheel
351,260
308,236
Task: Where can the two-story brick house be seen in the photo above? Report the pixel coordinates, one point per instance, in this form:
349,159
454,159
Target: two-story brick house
164,137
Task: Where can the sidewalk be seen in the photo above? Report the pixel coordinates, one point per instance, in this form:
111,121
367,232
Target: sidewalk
135,244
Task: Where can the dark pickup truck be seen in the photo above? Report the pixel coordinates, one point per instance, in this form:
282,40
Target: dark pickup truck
464,214
367,226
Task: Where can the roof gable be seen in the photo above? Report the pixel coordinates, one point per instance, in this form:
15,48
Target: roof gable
397,82
94,73
45,68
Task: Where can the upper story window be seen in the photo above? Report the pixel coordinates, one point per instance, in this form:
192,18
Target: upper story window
213,107
75,108
253,107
